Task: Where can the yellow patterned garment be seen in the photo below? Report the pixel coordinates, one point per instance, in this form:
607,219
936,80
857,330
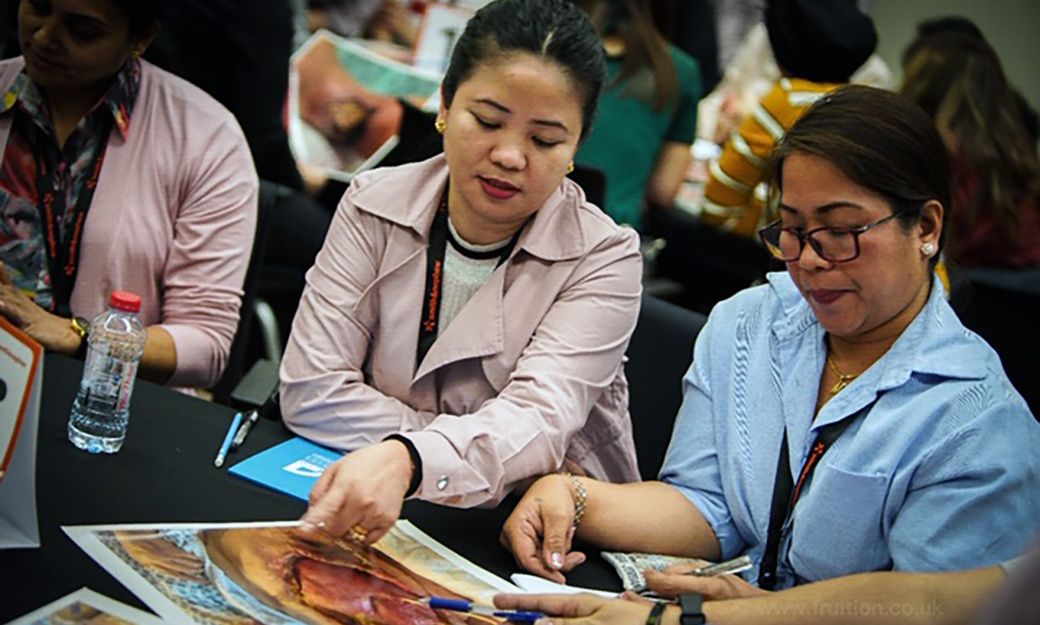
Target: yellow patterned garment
731,202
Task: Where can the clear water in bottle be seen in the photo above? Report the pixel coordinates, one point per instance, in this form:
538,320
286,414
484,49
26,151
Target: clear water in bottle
98,422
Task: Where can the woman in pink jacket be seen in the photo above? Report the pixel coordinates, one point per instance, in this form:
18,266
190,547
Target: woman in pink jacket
464,326
118,176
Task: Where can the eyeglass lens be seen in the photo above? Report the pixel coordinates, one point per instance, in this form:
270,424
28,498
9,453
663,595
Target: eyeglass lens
831,244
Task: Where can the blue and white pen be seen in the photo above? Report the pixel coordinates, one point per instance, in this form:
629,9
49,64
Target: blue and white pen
226,445
461,605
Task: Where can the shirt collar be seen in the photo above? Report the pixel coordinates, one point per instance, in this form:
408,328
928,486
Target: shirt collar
934,343
555,233
118,100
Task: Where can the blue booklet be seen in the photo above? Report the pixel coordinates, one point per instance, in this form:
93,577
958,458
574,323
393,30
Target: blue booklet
291,467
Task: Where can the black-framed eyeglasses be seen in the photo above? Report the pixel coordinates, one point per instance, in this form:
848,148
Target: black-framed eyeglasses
833,244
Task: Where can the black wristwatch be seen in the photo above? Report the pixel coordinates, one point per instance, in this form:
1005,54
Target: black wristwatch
691,609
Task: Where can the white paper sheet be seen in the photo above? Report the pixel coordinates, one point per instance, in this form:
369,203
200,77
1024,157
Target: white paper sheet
86,607
21,376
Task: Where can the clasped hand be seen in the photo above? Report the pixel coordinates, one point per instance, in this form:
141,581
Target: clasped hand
53,332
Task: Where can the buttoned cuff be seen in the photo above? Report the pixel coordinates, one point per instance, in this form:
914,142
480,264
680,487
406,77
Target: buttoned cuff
446,478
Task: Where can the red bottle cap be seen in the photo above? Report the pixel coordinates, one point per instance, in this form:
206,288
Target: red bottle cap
127,302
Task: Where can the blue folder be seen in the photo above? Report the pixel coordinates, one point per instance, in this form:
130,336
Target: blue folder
291,467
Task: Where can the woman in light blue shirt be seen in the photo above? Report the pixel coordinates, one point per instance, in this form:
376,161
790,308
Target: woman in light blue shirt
907,447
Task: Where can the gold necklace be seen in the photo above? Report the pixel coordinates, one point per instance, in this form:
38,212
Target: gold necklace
844,379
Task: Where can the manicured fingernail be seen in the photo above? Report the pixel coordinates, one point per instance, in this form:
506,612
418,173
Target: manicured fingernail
557,560
308,526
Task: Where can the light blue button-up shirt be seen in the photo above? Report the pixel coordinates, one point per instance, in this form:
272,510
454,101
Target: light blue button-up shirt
943,473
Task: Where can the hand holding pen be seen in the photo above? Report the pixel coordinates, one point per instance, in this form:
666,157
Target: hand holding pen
714,582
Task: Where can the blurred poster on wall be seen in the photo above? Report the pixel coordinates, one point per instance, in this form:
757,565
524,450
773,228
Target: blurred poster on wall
441,27
344,114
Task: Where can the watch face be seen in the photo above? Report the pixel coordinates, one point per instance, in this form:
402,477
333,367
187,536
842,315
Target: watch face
81,325
692,613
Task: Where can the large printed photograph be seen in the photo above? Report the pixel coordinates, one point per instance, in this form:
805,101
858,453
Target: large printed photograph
246,574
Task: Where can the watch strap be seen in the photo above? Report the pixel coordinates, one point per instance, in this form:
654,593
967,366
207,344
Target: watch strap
656,612
692,612
81,326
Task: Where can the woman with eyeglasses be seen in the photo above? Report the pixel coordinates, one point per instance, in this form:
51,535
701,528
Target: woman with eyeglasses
838,419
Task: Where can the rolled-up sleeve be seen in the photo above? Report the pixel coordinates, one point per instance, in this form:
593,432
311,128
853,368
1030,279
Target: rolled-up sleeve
212,242
573,357
691,463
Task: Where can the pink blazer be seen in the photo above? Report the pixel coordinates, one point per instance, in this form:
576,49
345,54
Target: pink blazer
172,220
528,375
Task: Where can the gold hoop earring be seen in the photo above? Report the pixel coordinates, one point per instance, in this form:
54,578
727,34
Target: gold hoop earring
440,125
570,168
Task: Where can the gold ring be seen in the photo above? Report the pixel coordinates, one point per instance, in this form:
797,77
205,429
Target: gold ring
357,534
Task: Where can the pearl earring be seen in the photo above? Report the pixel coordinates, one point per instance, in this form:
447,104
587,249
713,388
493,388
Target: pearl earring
928,249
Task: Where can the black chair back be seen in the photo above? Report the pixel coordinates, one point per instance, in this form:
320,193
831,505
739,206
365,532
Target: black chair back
593,182
710,264
659,354
1003,307
270,195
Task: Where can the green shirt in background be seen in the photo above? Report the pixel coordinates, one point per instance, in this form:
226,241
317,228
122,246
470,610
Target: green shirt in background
629,132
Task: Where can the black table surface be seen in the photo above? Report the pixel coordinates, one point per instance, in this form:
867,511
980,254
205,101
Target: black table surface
165,474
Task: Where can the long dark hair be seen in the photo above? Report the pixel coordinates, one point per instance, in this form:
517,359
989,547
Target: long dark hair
553,29
959,81
881,141
645,46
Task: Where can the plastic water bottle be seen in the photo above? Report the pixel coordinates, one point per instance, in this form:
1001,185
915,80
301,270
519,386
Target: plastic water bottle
114,347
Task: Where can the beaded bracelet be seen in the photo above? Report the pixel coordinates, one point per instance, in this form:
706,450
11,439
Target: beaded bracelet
654,618
581,499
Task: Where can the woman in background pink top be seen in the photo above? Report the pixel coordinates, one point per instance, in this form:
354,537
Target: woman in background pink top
150,181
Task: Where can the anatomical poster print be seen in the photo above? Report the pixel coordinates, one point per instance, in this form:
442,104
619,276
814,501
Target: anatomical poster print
273,574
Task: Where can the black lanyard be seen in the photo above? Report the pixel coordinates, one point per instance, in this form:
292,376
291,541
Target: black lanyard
439,235
783,498
62,252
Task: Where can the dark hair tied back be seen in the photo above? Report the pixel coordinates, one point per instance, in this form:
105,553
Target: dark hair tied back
882,142
554,29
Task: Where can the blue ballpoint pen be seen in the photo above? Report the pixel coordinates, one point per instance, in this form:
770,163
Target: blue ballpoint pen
461,605
226,445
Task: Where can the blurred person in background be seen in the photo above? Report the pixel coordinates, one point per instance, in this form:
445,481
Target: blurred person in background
818,45
648,112
958,80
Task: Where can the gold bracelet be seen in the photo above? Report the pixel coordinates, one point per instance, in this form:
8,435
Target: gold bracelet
580,500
